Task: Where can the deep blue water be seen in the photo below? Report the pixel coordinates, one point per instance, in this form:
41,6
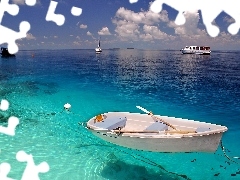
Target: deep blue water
204,88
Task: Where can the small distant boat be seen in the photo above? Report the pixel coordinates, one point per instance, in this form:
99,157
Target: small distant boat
98,49
5,53
156,133
202,50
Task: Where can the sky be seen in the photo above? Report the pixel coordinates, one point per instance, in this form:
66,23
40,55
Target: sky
118,24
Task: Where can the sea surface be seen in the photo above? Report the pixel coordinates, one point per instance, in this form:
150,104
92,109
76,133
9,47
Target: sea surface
38,83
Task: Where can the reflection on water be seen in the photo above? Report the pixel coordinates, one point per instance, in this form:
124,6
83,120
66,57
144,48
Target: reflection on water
157,70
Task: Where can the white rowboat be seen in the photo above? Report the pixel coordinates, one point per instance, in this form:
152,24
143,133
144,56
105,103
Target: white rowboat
156,133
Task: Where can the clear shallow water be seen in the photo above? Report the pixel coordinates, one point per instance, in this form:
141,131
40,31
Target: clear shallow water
205,88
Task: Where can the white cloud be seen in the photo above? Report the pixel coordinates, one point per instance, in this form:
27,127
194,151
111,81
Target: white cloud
30,37
126,29
146,37
76,43
89,34
154,32
139,26
143,17
82,26
104,31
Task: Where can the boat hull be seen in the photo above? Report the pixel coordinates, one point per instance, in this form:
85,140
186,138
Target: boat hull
196,52
98,50
207,143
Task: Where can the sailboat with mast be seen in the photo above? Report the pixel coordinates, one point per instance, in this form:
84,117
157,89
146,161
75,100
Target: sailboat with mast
98,49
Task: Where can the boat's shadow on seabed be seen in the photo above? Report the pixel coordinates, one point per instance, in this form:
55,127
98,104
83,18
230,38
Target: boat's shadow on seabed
119,170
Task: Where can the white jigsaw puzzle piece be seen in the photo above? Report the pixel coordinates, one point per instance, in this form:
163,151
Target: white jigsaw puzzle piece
12,9
9,36
4,105
76,11
31,170
209,9
133,1
4,170
59,19
30,2
10,129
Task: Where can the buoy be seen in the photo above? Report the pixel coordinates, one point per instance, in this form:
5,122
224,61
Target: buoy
67,106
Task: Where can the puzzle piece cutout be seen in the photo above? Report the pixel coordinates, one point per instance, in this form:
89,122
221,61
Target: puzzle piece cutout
4,170
8,35
76,11
59,19
4,105
31,170
133,1
12,9
12,121
10,129
210,10
30,2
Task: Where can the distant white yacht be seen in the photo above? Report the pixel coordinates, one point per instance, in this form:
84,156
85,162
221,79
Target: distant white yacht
98,49
196,50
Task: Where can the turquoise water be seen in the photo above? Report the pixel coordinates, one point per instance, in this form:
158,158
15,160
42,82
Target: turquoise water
204,88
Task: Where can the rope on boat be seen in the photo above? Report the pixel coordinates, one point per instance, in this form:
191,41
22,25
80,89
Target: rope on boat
228,157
